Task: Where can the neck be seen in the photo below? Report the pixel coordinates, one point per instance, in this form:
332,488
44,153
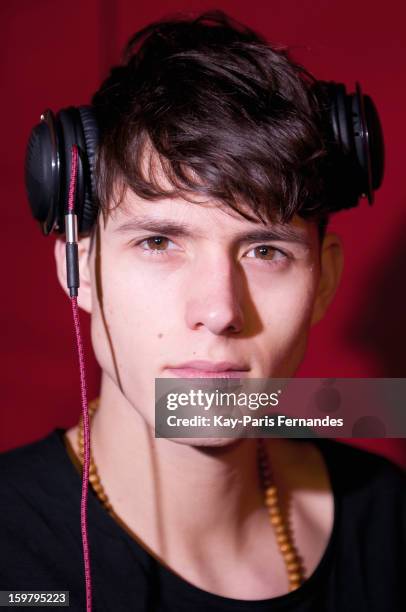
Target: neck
174,495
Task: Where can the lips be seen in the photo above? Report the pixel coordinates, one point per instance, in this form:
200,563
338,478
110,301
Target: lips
209,369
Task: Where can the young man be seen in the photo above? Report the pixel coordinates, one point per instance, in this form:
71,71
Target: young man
209,257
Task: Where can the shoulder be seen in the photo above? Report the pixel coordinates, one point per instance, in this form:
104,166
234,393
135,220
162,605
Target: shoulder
361,468
25,459
29,473
38,489
370,491
367,488
39,516
321,463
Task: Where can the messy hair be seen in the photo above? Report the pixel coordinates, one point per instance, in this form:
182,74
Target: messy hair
218,112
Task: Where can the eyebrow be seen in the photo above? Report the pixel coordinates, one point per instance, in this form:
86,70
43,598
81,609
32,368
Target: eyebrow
276,232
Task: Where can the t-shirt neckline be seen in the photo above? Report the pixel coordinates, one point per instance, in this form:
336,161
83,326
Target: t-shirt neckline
179,585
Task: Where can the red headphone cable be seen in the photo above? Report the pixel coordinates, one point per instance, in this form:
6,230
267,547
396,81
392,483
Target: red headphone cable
72,268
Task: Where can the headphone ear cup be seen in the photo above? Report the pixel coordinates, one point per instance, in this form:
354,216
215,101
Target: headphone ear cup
376,142
340,170
343,111
48,168
91,137
353,135
369,141
351,170
43,172
70,132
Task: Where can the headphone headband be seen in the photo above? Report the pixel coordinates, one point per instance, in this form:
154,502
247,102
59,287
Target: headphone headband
352,130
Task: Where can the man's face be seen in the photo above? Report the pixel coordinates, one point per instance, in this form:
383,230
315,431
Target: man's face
176,282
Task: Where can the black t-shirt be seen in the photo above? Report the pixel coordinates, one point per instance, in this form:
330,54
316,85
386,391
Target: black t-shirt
363,568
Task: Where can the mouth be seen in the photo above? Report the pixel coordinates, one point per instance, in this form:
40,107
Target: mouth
209,369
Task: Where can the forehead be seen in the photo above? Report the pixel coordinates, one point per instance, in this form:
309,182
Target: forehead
200,219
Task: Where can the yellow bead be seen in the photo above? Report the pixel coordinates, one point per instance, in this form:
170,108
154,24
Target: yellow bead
282,538
293,566
294,577
286,548
271,495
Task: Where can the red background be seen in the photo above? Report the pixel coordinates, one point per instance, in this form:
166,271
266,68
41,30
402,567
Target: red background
55,53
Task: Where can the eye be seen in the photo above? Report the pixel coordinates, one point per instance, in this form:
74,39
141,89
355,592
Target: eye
156,244
267,253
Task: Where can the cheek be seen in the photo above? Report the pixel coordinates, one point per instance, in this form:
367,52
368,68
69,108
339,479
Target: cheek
132,316
291,311
288,301
286,310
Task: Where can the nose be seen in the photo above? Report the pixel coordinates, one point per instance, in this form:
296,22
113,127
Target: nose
214,298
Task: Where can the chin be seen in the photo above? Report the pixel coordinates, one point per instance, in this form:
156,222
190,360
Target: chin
206,443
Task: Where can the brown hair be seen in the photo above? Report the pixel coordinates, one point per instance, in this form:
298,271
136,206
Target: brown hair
222,113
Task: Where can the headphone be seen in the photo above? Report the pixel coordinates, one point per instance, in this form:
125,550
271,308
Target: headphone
350,121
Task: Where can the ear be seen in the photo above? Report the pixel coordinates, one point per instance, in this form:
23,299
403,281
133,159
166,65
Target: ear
84,293
331,267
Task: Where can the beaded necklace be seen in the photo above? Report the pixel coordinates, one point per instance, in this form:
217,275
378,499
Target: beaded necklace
283,532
